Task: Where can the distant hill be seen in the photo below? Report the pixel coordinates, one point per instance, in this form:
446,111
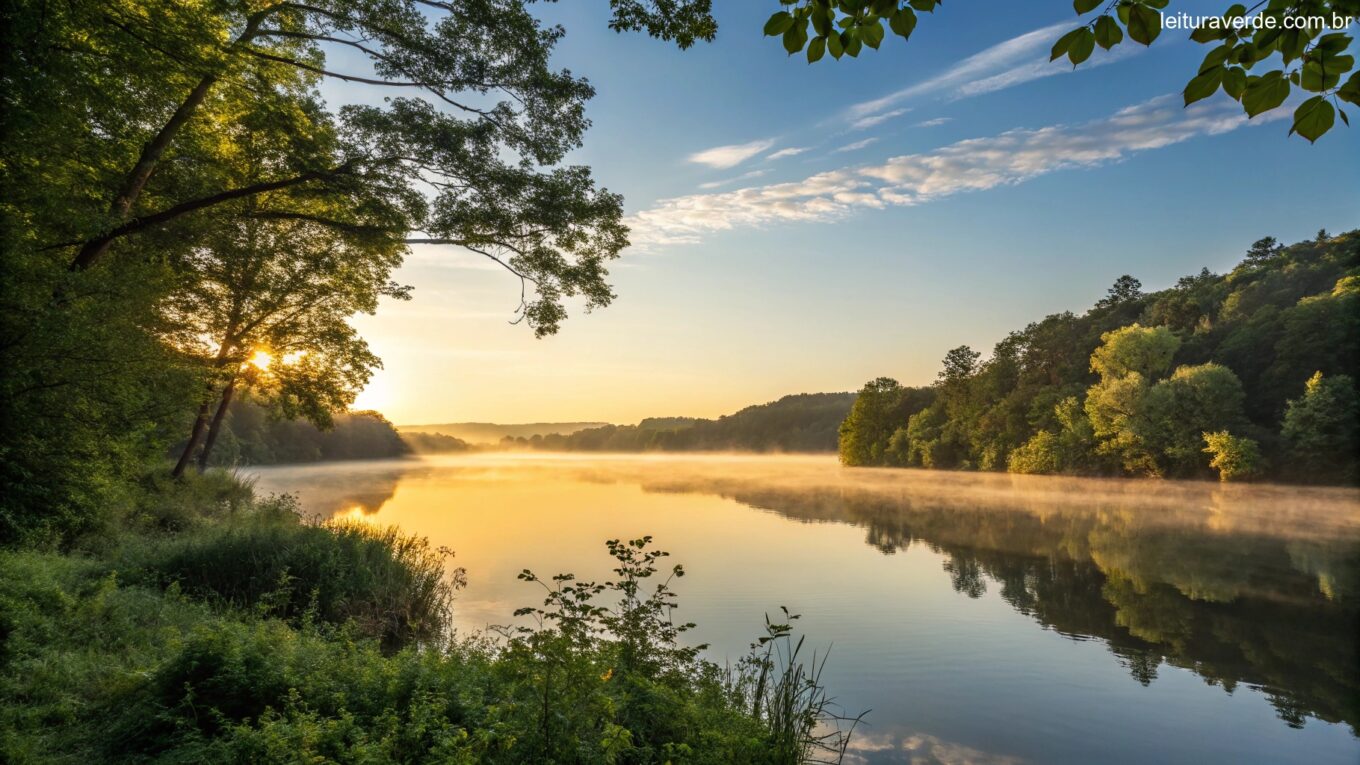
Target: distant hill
492,433
803,422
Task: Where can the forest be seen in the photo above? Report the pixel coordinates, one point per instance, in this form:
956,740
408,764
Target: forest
803,422
1245,375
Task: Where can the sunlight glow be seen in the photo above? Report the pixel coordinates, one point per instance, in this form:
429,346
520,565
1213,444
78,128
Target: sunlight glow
260,360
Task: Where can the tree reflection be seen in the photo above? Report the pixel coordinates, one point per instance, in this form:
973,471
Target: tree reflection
1210,586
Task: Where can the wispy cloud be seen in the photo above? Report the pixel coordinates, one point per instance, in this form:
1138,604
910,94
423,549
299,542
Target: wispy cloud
864,123
976,164
730,181
791,151
856,146
933,123
723,157
1006,64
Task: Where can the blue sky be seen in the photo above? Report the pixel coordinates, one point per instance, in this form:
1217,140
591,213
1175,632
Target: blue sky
806,228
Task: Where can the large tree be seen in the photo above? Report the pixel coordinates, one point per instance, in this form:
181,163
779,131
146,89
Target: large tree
126,128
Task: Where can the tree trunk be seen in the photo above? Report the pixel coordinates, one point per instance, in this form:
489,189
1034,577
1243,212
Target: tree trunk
216,426
195,436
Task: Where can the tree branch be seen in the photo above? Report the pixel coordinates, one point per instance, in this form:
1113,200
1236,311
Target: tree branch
100,243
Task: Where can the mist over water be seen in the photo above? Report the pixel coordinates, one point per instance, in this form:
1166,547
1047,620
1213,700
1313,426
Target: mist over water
983,618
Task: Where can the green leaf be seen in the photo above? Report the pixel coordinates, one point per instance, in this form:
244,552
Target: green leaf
1082,46
1350,92
1264,93
821,21
778,24
1084,6
854,44
924,6
1144,24
1064,43
1108,33
1313,118
1203,86
834,45
816,49
1324,75
1207,34
1234,82
1216,57
903,22
872,33
794,40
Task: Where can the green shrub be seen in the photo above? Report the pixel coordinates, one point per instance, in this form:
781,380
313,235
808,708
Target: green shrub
391,586
1234,457
94,669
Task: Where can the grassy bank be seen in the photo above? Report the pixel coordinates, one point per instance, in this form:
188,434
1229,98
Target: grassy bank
219,627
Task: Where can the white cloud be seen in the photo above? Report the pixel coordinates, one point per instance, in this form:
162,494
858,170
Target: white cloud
864,123
791,151
934,123
856,146
972,165
723,157
728,181
1006,64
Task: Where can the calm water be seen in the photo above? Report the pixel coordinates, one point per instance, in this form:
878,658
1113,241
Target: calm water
982,619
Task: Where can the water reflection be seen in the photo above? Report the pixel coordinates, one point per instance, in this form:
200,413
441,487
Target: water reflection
1254,585
1243,586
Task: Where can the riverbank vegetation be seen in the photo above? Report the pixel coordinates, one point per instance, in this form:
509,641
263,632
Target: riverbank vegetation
234,630
1248,374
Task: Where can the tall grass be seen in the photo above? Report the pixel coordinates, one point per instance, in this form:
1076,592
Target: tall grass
787,695
391,586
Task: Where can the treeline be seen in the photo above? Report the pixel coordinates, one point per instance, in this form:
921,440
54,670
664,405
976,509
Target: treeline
251,435
804,422
1249,374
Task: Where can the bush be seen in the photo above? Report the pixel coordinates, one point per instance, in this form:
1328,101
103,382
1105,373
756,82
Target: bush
390,585
94,669
1234,457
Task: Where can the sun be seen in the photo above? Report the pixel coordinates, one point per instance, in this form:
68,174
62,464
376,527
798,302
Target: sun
260,360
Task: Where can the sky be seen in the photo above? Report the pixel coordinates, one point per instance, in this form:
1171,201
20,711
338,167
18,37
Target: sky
803,228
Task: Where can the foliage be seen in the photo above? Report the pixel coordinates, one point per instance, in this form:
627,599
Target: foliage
1091,394
260,638
391,586
869,426
1302,44
177,195
804,422
253,435
1322,428
1234,457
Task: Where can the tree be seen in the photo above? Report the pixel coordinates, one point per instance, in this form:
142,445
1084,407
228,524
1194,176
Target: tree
1262,251
1146,351
881,407
1178,411
1310,57
1125,289
1234,457
126,126
281,290
1322,429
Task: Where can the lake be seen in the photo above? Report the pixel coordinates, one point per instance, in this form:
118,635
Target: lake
980,618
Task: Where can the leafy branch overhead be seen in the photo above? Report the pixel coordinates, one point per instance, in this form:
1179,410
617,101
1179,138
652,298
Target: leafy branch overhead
1261,53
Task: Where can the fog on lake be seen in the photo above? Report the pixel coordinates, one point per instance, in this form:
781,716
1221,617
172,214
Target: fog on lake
980,618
